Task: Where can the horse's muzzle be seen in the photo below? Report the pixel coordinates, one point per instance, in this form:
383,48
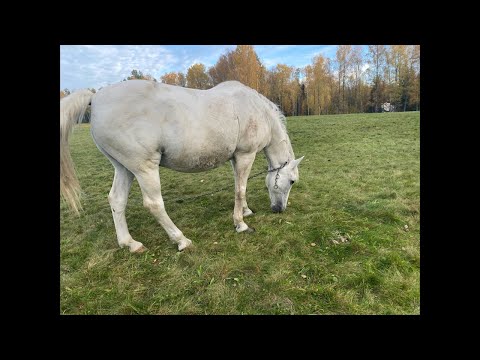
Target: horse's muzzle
277,208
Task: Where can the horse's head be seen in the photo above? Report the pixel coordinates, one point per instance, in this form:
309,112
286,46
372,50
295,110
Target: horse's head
279,183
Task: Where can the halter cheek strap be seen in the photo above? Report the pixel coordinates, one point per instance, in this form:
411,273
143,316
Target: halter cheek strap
278,175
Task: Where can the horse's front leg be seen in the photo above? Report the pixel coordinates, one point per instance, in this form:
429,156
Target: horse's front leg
246,210
242,164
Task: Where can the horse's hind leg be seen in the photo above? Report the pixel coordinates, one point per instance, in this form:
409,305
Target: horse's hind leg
117,198
149,181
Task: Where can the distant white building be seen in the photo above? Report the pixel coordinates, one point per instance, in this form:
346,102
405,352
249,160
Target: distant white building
387,107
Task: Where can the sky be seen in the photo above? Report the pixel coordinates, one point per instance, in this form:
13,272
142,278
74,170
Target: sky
94,66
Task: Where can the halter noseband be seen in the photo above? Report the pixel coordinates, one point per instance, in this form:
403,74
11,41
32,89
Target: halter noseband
278,175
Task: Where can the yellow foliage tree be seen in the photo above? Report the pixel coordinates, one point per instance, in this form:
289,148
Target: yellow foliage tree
241,64
318,86
174,78
197,77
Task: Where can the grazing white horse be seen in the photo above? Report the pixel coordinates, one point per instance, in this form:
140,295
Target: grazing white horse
140,125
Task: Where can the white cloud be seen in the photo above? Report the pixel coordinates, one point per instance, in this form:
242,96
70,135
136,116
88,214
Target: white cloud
292,55
271,62
84,66
99,65
326,51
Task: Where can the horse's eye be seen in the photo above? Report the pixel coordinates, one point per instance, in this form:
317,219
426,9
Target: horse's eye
291,182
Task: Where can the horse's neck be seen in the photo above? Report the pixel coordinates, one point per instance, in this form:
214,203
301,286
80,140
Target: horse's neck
280,149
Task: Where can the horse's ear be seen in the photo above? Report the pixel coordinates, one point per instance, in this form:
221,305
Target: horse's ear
297,161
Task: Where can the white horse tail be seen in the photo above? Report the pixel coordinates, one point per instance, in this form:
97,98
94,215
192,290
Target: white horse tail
72,110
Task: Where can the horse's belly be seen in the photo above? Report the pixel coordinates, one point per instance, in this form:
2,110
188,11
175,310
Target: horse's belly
196,161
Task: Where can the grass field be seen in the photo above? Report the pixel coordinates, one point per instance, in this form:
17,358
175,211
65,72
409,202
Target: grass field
348,243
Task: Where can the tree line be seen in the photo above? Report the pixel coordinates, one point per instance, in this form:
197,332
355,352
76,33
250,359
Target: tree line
351,82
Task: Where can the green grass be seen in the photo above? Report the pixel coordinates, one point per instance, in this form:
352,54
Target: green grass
359,181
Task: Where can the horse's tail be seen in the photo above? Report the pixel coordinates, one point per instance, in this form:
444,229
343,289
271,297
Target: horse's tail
72,110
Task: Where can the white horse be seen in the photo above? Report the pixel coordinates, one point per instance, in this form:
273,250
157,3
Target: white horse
140,125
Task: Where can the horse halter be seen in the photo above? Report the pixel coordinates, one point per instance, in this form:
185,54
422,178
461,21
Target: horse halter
278,175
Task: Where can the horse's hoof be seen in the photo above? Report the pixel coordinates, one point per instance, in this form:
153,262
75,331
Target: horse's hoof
187,250
248,212
244,228
139,250
184,244
241,227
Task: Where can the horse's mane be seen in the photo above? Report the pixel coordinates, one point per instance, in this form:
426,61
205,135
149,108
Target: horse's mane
279,117
278,114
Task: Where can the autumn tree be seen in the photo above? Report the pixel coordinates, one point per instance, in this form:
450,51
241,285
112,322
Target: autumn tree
174,78
135,74
318,86
414,77
408,85
247,66
223,69
278,79
297,89
197,77
397,63
241,64
342,61
377,63
169,78
402,76
359,90
138,75
284,88
181,79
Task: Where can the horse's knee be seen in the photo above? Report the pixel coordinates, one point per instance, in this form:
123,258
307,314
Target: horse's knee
153,206
117,202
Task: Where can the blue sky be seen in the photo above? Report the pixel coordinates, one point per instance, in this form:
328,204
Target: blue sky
87,66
